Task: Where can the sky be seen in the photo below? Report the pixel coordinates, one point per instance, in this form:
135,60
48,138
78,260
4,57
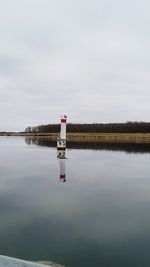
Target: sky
88,59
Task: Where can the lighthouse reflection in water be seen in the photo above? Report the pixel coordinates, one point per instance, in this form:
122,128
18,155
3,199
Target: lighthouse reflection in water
62,163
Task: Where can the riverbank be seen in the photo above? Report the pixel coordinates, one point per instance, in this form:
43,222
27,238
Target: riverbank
91,137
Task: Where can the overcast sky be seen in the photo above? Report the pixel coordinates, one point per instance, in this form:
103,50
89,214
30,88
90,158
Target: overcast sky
89,59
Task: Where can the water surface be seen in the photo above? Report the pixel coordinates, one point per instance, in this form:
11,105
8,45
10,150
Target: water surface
99,217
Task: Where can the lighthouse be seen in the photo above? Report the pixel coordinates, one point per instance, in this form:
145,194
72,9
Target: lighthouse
61,140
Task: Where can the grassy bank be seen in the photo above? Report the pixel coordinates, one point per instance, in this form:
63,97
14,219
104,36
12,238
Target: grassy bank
110,137
92,137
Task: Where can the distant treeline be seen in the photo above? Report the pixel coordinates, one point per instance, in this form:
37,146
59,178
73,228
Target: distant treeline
128,127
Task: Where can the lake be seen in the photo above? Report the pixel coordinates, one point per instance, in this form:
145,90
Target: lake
98,215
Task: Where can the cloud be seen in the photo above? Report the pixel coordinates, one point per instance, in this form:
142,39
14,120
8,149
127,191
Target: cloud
87,59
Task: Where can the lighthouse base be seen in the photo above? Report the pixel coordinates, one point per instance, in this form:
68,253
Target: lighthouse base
61,144
61,148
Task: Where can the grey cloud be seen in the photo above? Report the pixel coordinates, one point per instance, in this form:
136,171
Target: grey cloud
88,59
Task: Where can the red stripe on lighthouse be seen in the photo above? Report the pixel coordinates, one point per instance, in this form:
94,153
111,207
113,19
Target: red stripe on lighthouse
63,120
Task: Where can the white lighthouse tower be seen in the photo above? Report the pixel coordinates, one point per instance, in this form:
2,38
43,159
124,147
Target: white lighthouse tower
61,140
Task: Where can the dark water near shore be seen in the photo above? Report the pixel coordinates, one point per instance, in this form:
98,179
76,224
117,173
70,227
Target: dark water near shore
99,217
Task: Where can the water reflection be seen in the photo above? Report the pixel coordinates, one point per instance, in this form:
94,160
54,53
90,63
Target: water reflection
99,218
62,163
116,146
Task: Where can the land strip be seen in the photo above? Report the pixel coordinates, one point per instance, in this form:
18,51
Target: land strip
91,137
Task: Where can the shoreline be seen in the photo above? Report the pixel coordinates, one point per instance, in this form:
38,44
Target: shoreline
89,137
10,261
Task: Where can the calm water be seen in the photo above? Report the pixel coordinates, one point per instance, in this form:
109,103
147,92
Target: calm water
99,217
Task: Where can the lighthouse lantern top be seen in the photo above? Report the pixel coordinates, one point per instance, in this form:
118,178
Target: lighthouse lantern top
63,117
